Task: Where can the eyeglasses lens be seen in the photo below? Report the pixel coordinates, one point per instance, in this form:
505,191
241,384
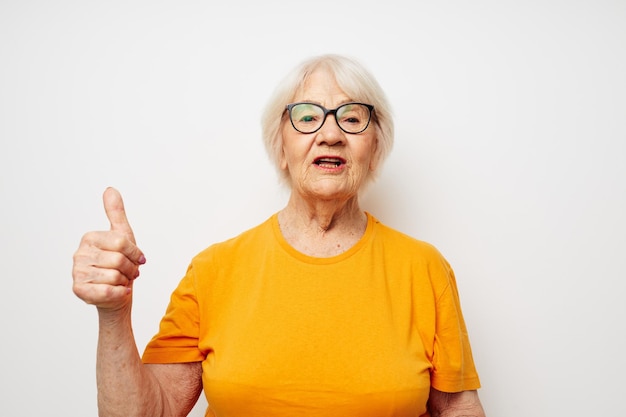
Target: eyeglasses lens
307,117
353,118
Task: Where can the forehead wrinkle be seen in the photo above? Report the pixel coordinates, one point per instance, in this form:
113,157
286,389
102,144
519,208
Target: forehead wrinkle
319,103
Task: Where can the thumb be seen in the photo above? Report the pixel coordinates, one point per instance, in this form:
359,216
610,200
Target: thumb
114,208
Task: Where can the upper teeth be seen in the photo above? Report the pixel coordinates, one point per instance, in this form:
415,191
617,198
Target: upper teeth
337,162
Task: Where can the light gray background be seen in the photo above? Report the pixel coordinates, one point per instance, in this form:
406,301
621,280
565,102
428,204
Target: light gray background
510,158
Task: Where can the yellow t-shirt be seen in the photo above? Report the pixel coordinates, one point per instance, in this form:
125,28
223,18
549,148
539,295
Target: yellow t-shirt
282,334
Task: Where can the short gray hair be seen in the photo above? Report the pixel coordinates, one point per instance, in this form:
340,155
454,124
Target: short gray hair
354,79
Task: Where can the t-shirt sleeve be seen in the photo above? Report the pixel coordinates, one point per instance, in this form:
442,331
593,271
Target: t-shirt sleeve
453,364
178,335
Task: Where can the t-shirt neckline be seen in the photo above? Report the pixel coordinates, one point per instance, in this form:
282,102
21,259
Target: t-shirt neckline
293,252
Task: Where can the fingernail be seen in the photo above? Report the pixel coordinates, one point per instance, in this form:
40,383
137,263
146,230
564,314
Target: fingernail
142,260
137,273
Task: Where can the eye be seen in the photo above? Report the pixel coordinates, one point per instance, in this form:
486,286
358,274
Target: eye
350,119
351,116
306,113
307,118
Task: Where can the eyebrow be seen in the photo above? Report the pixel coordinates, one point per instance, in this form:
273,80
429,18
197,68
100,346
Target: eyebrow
342,102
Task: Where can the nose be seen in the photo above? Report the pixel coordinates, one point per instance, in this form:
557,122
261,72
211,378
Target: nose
330,133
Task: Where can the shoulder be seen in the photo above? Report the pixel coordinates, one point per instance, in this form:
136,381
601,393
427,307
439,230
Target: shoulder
404,244
408,256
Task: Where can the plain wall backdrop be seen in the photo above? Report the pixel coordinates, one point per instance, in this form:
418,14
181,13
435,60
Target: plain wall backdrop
510,157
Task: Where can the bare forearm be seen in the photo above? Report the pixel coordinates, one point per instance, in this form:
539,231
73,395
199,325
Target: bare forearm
470,411
126,387
458,404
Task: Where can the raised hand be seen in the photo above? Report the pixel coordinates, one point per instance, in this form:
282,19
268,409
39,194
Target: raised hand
107,262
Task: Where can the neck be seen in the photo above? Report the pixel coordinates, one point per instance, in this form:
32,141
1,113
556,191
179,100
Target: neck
322,227
323,216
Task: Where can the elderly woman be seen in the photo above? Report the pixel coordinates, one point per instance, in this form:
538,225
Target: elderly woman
321,310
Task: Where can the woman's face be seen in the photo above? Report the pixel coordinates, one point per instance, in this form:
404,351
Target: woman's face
329,163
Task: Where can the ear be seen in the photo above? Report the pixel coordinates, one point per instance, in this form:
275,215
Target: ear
280,144
375,156
374,164
282,159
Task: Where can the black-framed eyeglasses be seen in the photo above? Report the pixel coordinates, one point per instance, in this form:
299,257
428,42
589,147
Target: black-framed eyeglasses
310,117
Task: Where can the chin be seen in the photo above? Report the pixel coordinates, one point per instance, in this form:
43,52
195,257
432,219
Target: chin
333,191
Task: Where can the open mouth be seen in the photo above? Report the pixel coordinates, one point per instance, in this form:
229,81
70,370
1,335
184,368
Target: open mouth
328,162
